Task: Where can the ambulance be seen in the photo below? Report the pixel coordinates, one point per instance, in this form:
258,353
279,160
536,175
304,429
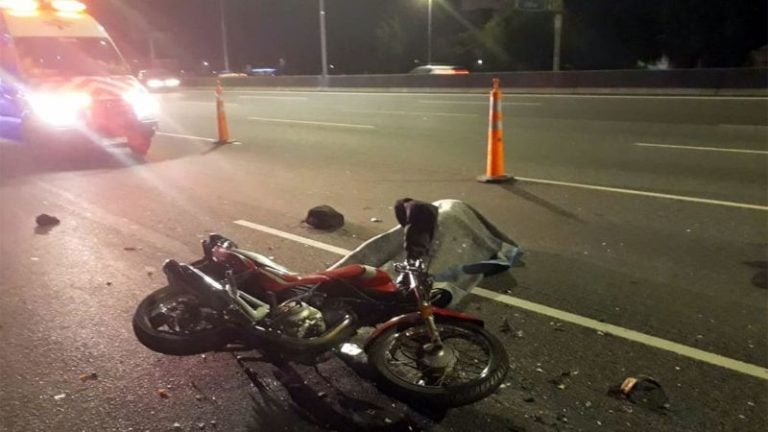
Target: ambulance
63,81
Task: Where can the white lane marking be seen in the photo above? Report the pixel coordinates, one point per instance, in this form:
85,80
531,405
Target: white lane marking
632,335
411,113
192,137
484,93
273,97
718,149
317,123
760,128
293,237
648,194
211,103
446,102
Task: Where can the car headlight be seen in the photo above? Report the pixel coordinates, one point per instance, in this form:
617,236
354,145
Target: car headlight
172,82
155,83
59,109
144,104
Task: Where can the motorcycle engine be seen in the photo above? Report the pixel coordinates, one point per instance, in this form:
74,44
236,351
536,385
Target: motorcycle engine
298,319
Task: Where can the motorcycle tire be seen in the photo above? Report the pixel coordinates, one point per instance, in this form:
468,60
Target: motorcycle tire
444,396
204,340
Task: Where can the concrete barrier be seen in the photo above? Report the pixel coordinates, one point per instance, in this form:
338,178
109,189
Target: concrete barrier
683,81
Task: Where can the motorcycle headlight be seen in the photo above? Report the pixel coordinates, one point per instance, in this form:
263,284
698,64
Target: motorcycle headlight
172,82
144,104
59,109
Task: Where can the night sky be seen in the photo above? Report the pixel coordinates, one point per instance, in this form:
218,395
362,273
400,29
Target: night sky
598,33
260,31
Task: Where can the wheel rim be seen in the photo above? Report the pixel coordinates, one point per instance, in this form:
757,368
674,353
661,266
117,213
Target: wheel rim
181,315
473,355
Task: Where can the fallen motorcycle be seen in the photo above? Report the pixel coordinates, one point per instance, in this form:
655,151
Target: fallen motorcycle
418,351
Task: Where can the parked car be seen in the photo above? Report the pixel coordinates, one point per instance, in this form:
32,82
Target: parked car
159,79
439,70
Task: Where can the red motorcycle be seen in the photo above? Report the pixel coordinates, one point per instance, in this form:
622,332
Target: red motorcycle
419,352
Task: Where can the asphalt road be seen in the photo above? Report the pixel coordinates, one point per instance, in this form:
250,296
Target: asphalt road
669,251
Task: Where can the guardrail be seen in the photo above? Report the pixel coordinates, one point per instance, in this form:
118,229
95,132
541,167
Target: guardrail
708,79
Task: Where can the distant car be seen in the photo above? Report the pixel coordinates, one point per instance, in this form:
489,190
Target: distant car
224,74
440,70
159,79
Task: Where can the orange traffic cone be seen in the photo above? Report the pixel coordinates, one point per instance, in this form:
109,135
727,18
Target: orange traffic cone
494,172
221,117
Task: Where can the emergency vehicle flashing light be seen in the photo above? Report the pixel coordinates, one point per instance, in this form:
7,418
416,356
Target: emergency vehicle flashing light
32,6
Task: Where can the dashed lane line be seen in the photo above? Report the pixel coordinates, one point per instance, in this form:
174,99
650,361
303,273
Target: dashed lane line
715,149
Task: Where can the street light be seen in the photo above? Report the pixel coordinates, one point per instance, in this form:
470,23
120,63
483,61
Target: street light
429,32
222,13
323,50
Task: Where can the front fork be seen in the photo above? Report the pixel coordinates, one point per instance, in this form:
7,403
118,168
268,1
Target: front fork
438,358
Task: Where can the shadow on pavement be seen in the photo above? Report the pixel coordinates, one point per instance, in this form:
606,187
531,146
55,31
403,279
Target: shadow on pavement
518,189
322,405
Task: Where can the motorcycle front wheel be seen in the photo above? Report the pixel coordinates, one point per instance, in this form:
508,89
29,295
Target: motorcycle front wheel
173,321
473,363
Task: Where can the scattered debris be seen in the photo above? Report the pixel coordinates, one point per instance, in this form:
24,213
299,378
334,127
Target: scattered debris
46,220
324,217
519,334
322,394
538,369
89,377
34,259
199,397
375,220
163,393
60,396
201,426
150,270
505,327
587,404
213,423
109,283
600,333
599,423
561,417
529,399
644,391
131,248
177,426
202,356
561,381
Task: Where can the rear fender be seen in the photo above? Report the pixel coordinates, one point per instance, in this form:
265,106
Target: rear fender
439,313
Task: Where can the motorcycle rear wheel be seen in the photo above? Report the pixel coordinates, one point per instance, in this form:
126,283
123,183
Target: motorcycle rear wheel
478,372
173,321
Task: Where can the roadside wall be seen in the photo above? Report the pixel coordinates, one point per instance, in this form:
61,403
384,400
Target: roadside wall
630,81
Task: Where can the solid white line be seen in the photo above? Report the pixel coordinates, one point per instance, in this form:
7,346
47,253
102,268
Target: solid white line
648,194
702,148
293,237
411,113
358,126
632,335
273,97
444,102
186,136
